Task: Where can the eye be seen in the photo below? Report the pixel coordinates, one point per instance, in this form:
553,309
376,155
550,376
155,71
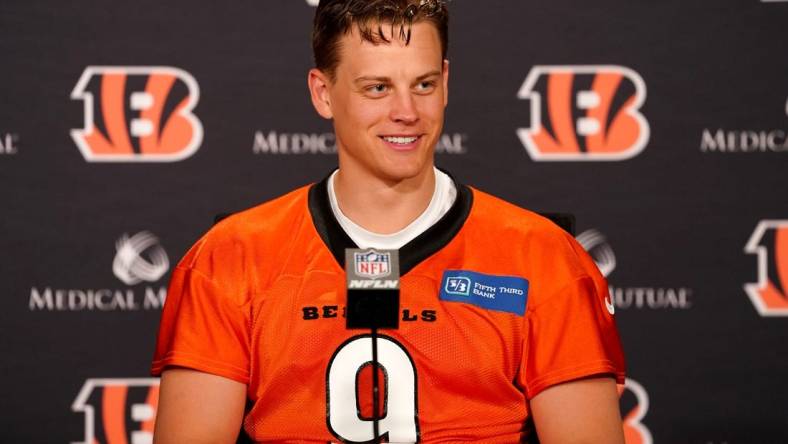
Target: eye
426,86
378,88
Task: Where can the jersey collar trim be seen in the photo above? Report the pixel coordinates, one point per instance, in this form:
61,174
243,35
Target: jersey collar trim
411,254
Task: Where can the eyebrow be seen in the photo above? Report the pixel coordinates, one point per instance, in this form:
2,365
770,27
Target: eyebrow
384,79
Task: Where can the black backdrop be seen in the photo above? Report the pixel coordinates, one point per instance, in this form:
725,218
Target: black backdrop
670,224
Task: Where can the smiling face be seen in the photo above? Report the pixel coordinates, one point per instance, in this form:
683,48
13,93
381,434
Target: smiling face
387,102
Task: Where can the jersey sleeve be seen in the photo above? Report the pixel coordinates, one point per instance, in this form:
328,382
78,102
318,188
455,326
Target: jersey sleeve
205,324
570,331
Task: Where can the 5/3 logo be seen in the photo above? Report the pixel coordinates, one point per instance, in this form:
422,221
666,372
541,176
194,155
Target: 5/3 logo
458,285
584,113
137,114
344,396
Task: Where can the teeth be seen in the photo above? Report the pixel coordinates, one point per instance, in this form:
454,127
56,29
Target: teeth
400,140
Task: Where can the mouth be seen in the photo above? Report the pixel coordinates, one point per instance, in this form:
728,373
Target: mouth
401,143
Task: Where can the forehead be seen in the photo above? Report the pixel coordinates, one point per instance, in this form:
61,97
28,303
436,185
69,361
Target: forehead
423,51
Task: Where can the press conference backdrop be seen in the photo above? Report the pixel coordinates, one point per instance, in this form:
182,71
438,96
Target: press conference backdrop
125,127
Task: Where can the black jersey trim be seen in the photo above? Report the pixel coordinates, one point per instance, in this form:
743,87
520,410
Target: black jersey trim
411,254
326,224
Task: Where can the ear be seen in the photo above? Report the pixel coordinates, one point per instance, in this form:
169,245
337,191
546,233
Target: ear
445,74
319,89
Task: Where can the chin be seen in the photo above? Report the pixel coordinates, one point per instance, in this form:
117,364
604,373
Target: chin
404,171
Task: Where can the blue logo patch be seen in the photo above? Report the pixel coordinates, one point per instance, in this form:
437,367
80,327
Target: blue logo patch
500,293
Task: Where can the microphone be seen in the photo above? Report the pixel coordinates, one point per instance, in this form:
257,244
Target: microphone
372,288
372,303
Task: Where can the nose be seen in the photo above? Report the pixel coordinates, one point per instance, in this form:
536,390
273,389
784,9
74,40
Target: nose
403,108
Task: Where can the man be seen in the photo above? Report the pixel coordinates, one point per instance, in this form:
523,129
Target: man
503,320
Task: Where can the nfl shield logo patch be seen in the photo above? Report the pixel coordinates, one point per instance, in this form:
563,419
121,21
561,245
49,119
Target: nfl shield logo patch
372,264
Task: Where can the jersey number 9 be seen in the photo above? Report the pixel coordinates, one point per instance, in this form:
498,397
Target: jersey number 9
345,420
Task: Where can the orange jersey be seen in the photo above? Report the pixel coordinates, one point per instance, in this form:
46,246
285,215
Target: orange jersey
496,304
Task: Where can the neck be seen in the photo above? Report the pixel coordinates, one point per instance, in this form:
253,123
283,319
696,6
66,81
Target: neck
383,206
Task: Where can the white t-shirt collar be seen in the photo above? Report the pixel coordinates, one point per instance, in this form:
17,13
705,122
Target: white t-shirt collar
442,199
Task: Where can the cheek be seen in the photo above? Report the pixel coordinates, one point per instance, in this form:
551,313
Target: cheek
432,107
364,113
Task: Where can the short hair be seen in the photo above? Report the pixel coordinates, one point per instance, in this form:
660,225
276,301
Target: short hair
335,18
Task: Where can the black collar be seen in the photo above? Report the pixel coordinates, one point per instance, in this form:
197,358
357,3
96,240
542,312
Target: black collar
415,251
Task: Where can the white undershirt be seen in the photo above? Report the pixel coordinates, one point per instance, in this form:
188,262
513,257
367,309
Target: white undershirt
442,199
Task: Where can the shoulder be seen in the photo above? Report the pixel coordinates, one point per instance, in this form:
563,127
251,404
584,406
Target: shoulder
514,222
244,240
265,219
547,255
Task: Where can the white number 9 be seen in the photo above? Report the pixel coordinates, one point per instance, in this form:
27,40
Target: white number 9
344,419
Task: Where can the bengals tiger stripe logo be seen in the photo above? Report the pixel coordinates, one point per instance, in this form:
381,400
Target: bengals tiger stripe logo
633,399
584,113
137,114
769,242
118,411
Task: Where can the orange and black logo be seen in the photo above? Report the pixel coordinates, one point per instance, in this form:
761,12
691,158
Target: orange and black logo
769,242
118,411
584,113
633,400
137,114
